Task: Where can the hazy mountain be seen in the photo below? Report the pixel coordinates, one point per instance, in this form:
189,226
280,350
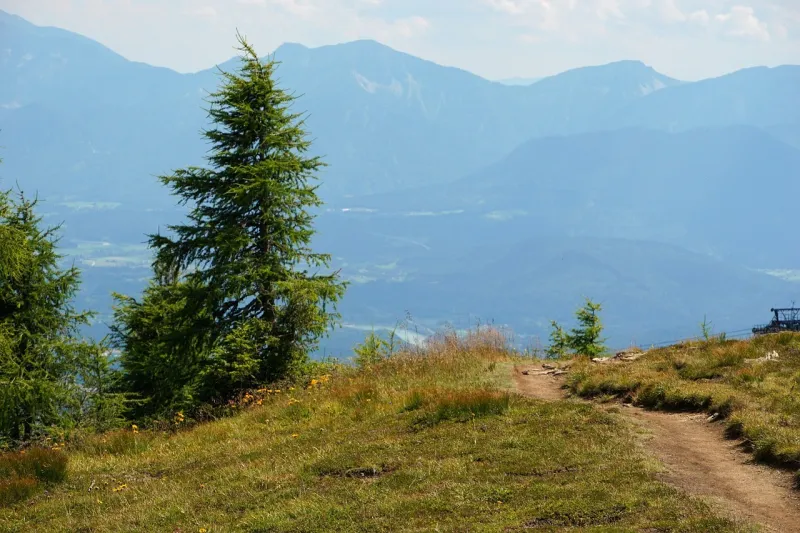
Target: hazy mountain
383,119
518,81
759,96
506,202
721,190
651,292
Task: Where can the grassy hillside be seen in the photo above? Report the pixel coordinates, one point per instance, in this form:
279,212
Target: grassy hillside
751,384
425,441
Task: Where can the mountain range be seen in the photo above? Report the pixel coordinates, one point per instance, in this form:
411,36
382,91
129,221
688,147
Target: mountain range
448,195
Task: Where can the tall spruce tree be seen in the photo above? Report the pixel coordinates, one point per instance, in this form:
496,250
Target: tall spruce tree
42,357
244,251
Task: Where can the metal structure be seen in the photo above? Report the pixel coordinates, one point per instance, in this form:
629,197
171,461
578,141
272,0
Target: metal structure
787,319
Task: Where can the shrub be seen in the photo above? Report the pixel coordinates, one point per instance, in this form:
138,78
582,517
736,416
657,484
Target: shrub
373,350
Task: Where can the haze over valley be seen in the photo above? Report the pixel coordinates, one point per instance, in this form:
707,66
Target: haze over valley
448,197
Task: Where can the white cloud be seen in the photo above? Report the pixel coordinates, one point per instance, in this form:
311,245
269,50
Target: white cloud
741,21
700,17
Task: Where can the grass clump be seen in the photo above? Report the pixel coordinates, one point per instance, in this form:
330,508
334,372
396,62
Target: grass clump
17,489
37,463
463,406
23,472
354,461
118,442
750,384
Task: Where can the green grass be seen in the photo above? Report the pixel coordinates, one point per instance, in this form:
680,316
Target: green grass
758,398
350,454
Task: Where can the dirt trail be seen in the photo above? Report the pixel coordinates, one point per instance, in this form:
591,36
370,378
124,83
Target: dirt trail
698,459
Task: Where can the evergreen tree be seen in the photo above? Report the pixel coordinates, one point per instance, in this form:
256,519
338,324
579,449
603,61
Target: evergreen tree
244,253
559,341
41,355
164,341
585,339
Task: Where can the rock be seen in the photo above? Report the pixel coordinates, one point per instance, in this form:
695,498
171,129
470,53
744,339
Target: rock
771,356
712,417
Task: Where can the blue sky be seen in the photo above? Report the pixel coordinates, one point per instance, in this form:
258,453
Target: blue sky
688,39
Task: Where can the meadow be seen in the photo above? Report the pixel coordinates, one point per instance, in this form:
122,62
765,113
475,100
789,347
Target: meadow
431,439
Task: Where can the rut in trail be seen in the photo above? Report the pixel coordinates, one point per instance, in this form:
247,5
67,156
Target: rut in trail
698,459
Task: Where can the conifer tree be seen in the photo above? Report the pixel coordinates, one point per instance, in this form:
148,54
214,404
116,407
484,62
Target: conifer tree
559,341
245,251
41,354
585,338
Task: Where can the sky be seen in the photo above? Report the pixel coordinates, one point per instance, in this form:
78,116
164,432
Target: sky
497,39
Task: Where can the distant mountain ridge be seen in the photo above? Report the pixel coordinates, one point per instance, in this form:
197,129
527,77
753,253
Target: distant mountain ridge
384,120
507,202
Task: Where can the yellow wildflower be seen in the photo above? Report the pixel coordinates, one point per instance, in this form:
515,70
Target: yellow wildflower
135,428
295,435
121,487
203,530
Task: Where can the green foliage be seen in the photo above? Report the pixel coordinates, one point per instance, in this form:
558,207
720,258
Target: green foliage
164,341
99,403
240,297
705,328
42,359
559,341
585,339
373,350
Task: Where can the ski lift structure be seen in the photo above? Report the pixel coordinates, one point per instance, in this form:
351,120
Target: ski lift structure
785,319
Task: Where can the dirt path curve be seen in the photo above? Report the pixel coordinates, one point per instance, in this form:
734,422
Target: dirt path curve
698,459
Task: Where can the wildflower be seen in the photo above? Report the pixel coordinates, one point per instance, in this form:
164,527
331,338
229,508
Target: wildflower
277,391
135,429
203,530
121,487
295,435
